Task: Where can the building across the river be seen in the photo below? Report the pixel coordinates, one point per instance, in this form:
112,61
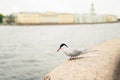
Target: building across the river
27,18
44,18
92,17
59,18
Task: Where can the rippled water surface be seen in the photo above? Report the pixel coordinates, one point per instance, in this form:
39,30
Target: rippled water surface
29,52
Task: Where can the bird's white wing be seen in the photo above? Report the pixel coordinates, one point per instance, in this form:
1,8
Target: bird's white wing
72,52
77,52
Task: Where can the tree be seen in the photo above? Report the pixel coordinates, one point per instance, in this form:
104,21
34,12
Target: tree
118,19
1,17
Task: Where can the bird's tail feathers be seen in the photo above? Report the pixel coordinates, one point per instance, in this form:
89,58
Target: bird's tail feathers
88,50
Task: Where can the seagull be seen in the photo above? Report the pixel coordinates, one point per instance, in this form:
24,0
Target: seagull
71,52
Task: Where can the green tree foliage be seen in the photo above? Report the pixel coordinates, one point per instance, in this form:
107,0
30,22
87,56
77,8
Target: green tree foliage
1,17
119,19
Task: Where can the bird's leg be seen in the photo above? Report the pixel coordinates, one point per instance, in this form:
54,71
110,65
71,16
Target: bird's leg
70,57
73,57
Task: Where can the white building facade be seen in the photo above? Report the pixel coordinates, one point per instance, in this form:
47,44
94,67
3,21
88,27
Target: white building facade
92,17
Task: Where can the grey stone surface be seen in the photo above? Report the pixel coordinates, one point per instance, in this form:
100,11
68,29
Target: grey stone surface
103,64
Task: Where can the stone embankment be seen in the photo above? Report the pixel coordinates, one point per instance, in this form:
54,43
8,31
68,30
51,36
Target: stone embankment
103,64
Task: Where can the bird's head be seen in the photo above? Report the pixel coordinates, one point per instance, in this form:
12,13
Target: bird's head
63,44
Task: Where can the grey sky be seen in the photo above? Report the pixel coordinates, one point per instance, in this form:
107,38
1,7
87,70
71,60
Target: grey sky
72,6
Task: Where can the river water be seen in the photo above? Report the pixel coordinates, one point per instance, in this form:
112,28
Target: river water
29,52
